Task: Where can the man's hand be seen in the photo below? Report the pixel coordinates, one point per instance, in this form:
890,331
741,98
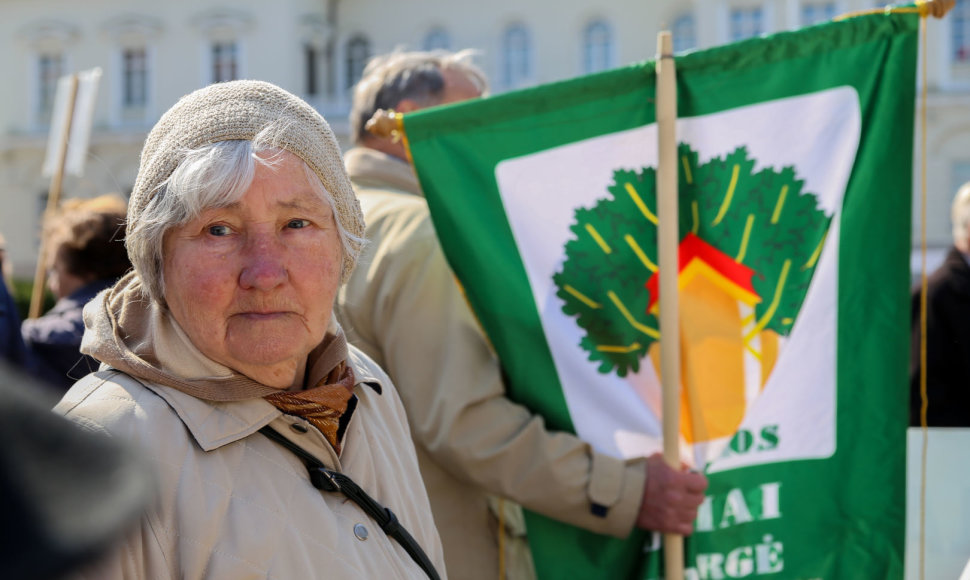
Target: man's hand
670,498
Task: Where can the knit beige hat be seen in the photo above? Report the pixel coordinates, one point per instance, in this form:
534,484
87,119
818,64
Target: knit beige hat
240,110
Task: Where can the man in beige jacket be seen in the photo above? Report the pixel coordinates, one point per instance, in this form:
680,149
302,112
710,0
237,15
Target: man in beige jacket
403,308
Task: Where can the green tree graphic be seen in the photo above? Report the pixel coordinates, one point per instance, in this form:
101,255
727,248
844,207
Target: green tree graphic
762,220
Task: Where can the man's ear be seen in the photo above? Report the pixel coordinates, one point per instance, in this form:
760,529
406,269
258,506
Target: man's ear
406,106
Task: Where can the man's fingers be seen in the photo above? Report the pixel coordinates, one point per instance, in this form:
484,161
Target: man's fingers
695,482
671,497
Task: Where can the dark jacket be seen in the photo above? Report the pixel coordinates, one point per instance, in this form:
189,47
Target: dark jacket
12,348
947,346
54,339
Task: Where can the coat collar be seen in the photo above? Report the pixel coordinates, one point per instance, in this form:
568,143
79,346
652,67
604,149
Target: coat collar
216,404
214,424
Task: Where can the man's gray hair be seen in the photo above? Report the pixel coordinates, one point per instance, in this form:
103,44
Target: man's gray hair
960,213
211,176
417,75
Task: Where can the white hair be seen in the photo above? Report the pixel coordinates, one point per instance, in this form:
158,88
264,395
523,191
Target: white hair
960,213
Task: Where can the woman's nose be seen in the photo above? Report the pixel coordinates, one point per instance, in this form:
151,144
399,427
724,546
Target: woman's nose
263,263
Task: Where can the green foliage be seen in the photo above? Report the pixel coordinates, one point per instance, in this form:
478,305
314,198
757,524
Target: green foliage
761,219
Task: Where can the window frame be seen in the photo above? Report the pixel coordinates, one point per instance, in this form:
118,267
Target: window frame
959,27
517,56
47,77
827,10
223,55
682,20
743,13
437,38
598,45
357,51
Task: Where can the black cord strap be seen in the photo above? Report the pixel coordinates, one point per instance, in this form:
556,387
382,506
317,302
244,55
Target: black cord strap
326,479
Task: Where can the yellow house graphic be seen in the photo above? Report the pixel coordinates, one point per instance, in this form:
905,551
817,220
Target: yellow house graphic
717,340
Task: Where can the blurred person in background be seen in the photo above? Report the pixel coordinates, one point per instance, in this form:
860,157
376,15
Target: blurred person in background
86,255
12,349
68,493
403,308
947,331
280,451
6,266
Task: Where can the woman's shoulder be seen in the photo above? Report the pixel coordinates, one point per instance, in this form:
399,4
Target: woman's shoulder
112,401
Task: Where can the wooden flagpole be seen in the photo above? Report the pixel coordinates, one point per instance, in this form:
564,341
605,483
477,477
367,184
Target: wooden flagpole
667,245
53,200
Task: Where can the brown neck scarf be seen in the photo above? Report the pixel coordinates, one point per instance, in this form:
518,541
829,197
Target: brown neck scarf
139,337
323,405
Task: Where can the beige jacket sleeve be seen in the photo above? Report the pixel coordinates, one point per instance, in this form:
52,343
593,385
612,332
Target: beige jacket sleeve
419,326
138,555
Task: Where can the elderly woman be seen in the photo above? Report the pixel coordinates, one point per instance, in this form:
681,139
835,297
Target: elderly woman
279,448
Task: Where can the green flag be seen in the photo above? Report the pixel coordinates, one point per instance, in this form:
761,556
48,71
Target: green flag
795,160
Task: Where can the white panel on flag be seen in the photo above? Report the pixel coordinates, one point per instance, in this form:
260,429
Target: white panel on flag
621,416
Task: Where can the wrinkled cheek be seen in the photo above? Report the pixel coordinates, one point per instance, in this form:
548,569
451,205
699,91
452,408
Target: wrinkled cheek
330,283
194,297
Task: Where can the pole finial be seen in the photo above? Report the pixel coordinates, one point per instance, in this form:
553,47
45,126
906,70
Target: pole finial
385,123
935,8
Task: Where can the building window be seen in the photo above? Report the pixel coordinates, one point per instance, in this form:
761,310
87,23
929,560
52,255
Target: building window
50,67
517,52
437,39
961,175
960,19
130,77
316,36
358,53
134,73
225,62
684,33
815,12
746,22
49,42
597,47
311,58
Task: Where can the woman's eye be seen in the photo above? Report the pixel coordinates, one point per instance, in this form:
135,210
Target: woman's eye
219,230
297,224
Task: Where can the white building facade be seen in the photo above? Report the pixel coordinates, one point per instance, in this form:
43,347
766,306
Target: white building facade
152,53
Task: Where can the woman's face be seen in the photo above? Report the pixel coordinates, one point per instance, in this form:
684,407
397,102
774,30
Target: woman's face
253,284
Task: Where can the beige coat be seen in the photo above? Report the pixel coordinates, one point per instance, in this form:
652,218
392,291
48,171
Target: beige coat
403,308
234,504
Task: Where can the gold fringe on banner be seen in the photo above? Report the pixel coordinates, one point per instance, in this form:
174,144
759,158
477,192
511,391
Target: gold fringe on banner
925,8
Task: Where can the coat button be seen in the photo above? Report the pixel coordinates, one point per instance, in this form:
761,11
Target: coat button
299,427
360,531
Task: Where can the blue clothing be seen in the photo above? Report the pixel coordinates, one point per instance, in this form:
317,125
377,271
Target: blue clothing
12,347
54,339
